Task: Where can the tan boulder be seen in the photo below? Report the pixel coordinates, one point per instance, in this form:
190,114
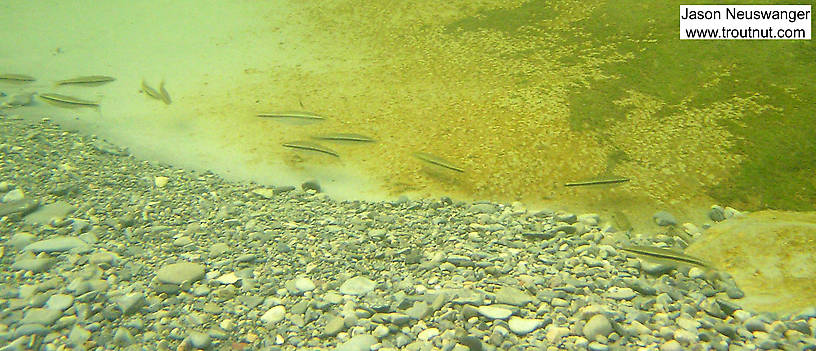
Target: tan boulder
771,255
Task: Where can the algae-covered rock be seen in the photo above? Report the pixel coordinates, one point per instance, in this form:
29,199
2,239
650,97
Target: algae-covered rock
771,255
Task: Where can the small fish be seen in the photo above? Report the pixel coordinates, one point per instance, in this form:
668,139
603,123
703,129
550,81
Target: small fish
344,137
305,145
151,92
294,116
87,80
438,161
664,255
16,77
67,101
598,182
165,96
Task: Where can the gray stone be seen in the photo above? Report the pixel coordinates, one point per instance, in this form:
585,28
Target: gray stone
218,249
199,340
597,326
362,342
755,324
14,195
21,206
274,315
522,326
663,218
59,302
78,336
311,185
303,284
419,310
30,329
512,296
130,303
494,312
178,273
44,316
618,293
716,213
596,346
122,337
21,240
482,208
334,326
46,213
36,265
56,244
357,286
671,345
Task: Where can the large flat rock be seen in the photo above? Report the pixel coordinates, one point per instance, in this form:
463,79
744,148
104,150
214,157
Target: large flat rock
771,256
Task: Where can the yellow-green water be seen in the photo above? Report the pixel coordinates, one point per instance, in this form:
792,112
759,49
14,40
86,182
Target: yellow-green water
523,95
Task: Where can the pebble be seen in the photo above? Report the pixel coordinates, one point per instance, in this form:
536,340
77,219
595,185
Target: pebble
494,312
512,296
56,244
199,340
596,346
618,293
78,336
130,303
178,273
228,279
663,218
671,345
21,240
755,324
160,181
36,265
303,284
59,302
522,326
274,315
556,333
46,213
716,213
428,334
598,325
122,337
357,286
362,342
44,316
12,196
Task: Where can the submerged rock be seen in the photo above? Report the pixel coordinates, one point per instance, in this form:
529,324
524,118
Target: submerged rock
770,256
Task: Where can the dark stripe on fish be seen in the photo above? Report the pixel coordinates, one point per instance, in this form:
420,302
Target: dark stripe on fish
87,80
664,254
16,77
294,115
438,161
67,101
598,182
305,145
344,137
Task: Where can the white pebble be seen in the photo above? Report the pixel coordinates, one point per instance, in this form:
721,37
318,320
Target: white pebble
227,279
493,312
428,334
274,315
160,181
556,333
671,345
696,273
523,326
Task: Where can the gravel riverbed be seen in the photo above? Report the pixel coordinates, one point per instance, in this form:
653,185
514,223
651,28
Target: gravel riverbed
102,251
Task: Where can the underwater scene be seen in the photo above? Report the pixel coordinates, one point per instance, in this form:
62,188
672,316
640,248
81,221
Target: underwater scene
362,175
